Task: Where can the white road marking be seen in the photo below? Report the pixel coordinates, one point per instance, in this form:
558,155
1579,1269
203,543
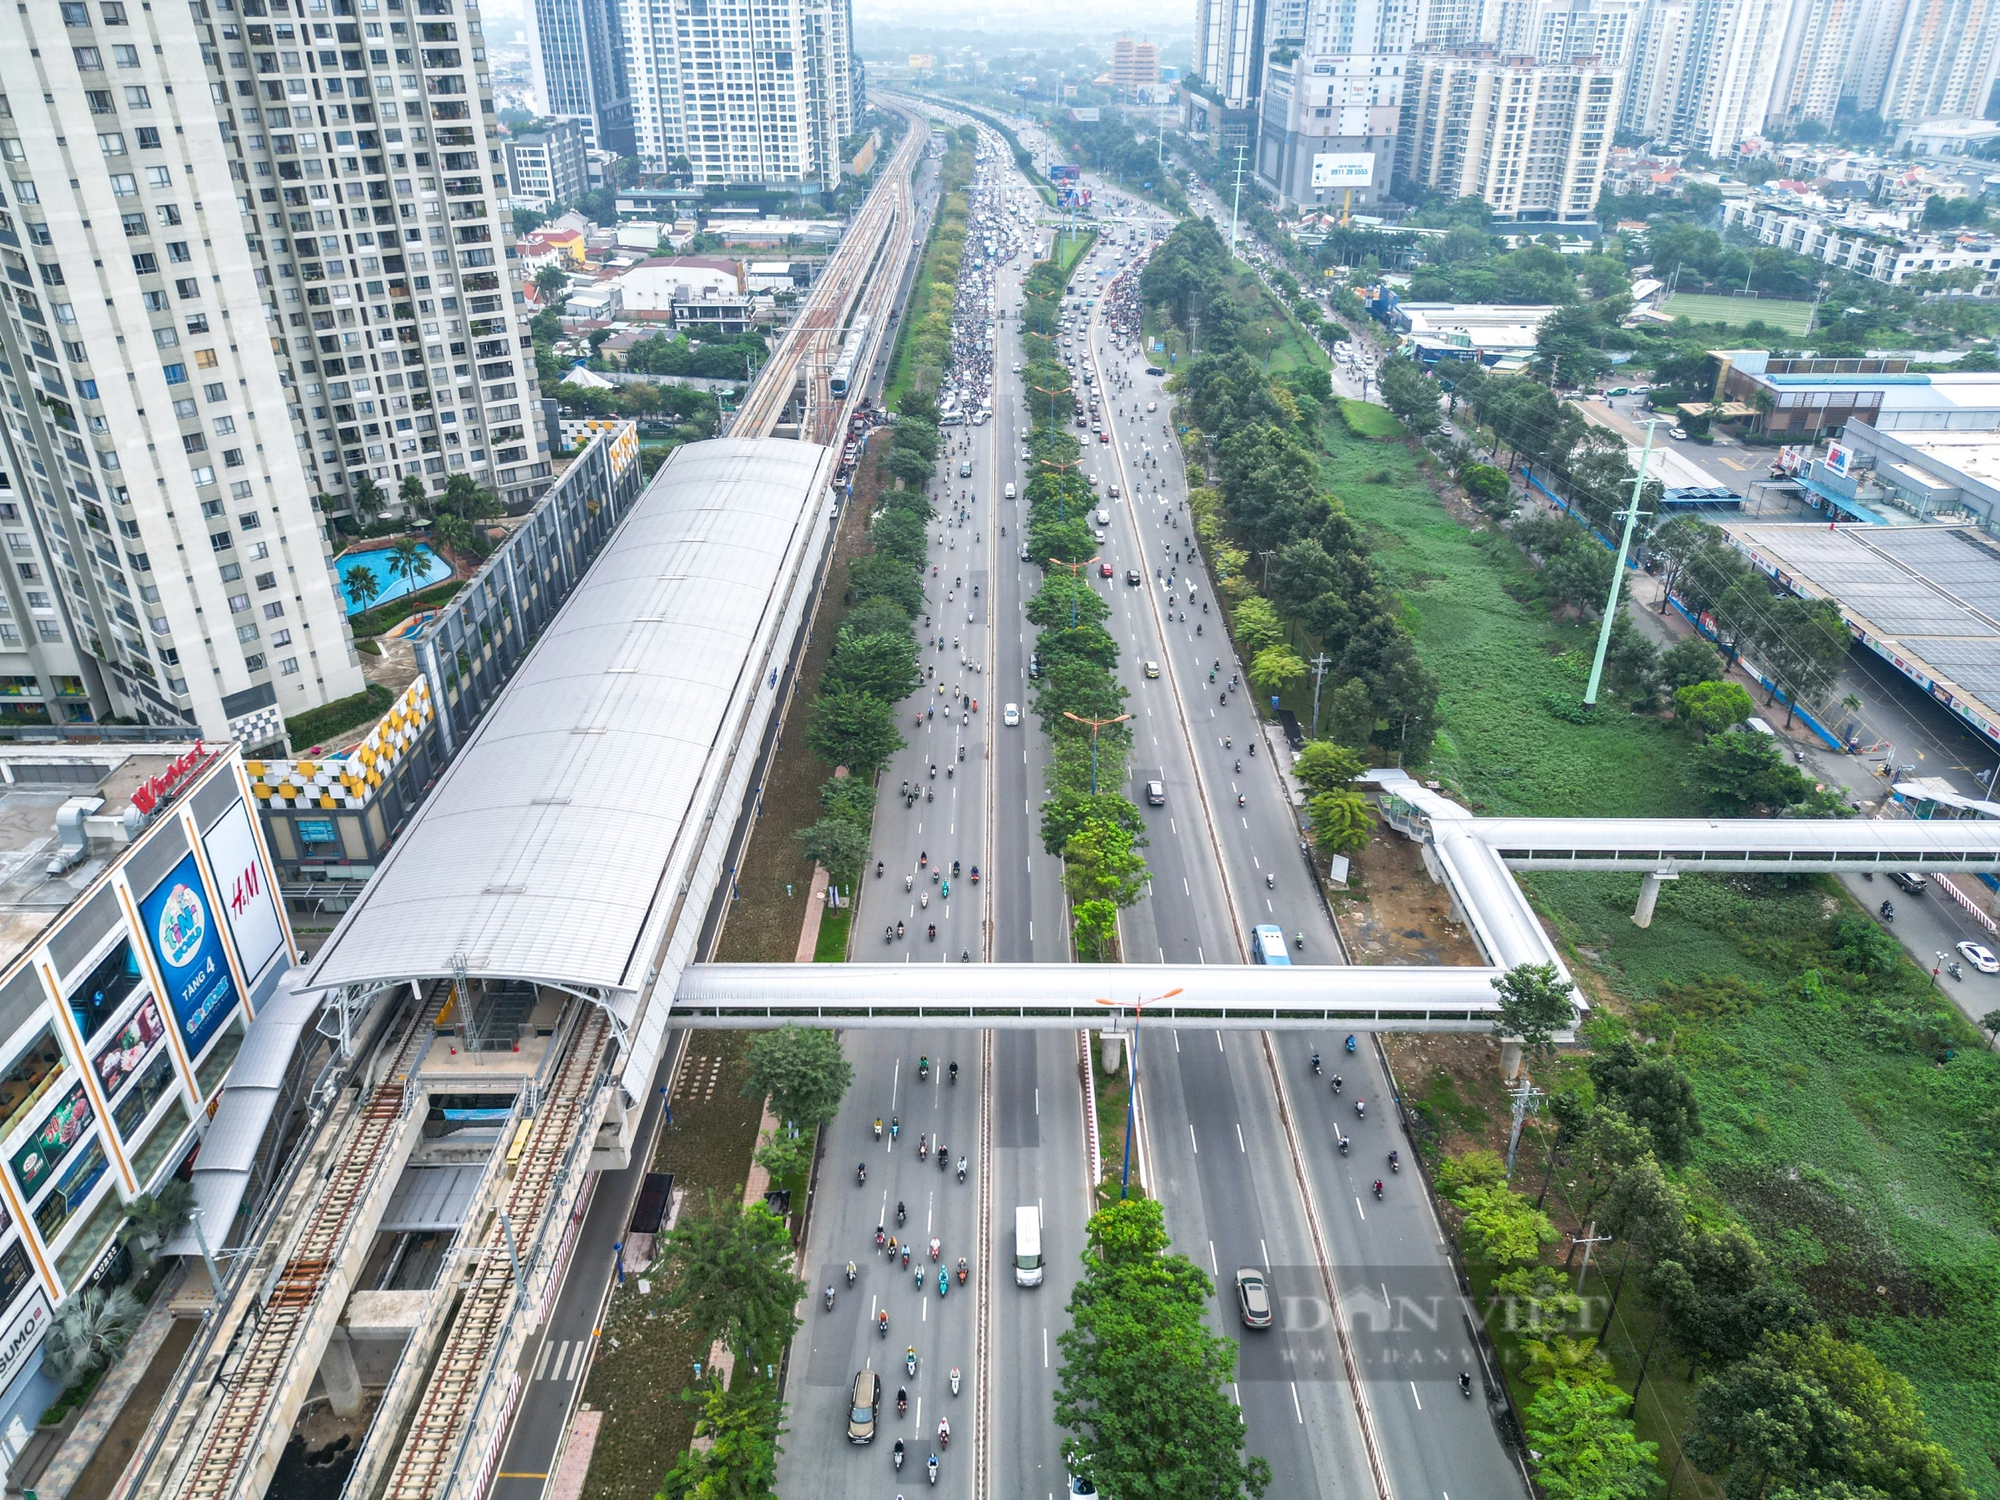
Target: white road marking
1415,1397
542,1363
1295,1404
1196,1145
1359,1209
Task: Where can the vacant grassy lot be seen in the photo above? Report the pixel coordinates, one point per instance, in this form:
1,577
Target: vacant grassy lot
1474,605
1367,420
1869,1170
1740,312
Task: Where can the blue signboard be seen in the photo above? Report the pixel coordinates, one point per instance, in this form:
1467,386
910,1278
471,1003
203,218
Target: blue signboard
187,940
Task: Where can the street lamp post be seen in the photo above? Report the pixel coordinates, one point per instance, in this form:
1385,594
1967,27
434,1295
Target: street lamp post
1095,725
1132,1079
1074,569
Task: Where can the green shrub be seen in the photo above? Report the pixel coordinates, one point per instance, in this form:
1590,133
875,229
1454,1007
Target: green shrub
318,725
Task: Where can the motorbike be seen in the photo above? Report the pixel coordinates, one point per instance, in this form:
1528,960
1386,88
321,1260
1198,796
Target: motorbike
920,1280
1239,800
944,1433
1395,1162
961,1169
1315,1065
851,1273
910,1359
1955,971
924,899
944,1159
954,1072
1270,880
1299,941
1465,1385
902,1401
1350,1044
829,1296
899,929
896,1454
944,1283
895,1126
933,932
909,882
860,1174
932,1466
923,1148
1378,1188
1888,910
878,867
954,1374
1343,1145
902,1214
880,1237
878,1127
961,1282
888,934
936,1246
1361,1109
882,1324
906,1257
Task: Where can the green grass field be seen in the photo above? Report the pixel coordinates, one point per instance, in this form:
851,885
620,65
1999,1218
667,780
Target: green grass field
1739,312
1367,420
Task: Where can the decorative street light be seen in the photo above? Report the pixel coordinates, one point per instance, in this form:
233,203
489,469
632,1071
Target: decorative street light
1132,1077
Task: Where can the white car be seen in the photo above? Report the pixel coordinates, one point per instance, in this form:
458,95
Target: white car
1011,715
1980,957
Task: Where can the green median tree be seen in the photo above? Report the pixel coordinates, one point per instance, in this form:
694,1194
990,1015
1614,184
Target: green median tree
838,844
1100,864
1326,767
1257,626
883,666
1143,1387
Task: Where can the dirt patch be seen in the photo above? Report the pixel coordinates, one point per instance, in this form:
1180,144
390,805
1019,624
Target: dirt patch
770,907
1394,913
646,1359
1453,1090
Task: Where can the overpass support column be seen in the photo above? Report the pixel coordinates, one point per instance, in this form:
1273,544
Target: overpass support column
1112,1048
338,1373
1649,897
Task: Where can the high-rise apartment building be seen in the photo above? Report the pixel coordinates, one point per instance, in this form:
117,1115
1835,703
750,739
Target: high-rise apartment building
1817,61
1946,61
547,166
1229,49
738,94
1529,138
1329,115
252,256
578,48
1134,64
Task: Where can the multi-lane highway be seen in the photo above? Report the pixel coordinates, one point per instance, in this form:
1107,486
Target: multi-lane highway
1238,1134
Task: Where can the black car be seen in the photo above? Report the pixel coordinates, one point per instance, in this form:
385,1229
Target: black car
1154,370
1132,576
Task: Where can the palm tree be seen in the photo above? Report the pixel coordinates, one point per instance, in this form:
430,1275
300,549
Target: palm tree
416,499
362,586
406,561
454,531
89,1331
369,500
151,1217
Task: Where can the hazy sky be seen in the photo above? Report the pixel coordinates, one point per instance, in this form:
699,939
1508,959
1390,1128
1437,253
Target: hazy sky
1103,16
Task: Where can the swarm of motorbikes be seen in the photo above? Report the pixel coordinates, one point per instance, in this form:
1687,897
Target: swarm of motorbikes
925,1262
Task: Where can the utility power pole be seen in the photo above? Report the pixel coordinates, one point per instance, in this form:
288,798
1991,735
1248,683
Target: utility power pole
1319,665
1524,1099
1618,569
1236,210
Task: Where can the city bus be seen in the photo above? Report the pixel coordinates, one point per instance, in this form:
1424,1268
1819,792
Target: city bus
1269,941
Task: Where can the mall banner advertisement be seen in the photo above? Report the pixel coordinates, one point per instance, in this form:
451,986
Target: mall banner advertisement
187,940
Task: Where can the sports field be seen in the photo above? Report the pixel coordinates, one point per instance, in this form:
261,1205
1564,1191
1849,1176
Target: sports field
1780,312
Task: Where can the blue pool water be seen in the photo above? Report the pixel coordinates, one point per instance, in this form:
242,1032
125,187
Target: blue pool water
436,570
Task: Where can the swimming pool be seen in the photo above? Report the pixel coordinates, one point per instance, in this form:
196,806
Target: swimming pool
390,586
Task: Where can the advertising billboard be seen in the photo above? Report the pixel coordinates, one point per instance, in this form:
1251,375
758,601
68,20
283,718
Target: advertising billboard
1062,172
1838,459
249,904
51,1140
187,941
122,1056
1343,169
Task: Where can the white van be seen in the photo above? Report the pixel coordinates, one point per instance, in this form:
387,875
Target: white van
1104,518
1027,1246
1010,492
